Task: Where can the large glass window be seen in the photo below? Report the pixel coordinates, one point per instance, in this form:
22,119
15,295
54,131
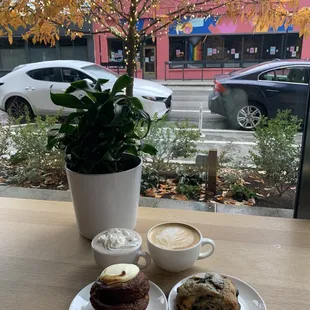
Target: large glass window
252,47
233,47
214,47
41,52
73,49
115,50
293,45
272,47
177,47
12,55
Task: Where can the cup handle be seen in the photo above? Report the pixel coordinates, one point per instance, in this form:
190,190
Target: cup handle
146,257
208,253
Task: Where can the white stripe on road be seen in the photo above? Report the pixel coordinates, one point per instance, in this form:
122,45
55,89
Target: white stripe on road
190,111
226,142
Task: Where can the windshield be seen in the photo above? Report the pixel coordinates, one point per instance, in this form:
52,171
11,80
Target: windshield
101,73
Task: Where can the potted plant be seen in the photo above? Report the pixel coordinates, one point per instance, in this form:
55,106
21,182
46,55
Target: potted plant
101,140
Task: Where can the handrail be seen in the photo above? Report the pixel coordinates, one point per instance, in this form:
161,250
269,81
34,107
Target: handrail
115,65
207,64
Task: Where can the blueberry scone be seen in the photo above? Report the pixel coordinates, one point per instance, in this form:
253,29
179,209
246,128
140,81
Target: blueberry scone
211,292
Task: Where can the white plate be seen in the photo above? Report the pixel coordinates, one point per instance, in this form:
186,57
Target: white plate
248,298
158,300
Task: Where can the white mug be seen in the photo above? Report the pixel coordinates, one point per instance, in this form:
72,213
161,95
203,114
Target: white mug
106,258
179,260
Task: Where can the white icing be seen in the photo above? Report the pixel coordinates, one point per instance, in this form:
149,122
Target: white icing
119,273
118,239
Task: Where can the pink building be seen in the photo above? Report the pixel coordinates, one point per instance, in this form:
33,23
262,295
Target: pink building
199,48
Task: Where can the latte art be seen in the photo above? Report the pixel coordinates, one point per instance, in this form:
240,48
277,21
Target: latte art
174,236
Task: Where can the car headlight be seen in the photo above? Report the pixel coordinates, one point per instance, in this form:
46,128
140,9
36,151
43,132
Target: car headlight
154,98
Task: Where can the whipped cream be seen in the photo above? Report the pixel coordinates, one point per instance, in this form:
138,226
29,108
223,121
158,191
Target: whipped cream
119,239
119,273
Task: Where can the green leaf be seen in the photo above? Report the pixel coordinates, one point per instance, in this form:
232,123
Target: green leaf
99,83
121,83
73,116
68,101
136,103
149,149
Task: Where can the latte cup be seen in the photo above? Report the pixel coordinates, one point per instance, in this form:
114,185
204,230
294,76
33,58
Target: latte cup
175,247
105,257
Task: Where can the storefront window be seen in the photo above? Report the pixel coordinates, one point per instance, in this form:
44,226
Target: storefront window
177,49
214,47
293,45
233,47
272,46
12,55
115,50
41,52
252,47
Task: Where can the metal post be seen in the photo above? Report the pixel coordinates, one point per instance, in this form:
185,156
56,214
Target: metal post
200,118
212,169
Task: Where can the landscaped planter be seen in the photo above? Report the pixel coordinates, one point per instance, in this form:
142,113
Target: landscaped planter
103,201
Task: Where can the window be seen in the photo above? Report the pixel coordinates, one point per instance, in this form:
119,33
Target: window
73,49
41,52
233,47
288,75
293,46
101,73
214,47
252,47
177,49
272,46
70,75
12,55
45,74
115,50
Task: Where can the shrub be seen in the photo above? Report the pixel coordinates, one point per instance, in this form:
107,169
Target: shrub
5,136
276,153
30,152
172,141
190,191
240,192
149,179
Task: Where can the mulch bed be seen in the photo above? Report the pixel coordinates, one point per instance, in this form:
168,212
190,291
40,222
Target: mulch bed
266,196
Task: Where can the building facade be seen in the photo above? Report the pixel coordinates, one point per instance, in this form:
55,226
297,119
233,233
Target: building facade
22,51
199,48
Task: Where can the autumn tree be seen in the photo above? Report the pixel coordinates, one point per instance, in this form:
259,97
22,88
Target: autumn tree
42,20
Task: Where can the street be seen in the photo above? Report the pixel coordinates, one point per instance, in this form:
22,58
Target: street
216,132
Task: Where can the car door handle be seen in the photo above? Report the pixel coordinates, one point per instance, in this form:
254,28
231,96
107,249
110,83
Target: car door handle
26,88
272,90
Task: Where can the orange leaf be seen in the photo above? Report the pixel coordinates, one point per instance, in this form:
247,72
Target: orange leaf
179,197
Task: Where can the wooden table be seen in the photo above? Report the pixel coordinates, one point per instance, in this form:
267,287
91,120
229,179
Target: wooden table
44,262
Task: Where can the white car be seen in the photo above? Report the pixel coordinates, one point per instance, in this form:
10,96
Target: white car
27,87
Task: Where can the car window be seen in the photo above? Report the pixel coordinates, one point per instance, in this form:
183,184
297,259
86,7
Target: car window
288,75
70,75
45,74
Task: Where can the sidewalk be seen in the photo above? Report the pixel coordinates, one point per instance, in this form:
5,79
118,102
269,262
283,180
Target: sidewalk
46,194
199,83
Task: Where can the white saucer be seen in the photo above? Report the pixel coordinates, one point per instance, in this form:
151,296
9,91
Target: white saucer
248,298
158,300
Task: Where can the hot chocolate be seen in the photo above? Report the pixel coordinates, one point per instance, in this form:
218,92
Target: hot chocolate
174,236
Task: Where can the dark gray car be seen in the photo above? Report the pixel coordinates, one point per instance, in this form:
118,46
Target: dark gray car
245,95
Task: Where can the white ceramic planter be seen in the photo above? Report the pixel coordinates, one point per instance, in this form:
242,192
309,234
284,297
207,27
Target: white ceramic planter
103,201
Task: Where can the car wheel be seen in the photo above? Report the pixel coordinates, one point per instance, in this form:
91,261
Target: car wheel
18,107
247,117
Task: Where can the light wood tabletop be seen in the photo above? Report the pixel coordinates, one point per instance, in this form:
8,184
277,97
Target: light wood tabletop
44,262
